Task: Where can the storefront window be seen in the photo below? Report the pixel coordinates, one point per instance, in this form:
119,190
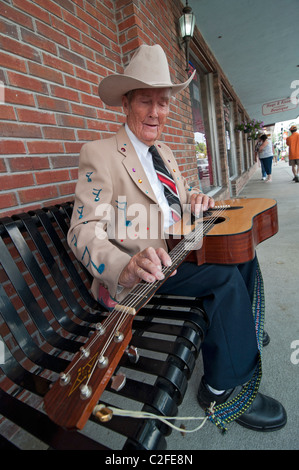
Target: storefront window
200,113
241,145
229,135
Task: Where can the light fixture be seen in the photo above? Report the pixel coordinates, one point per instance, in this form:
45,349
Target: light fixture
186,24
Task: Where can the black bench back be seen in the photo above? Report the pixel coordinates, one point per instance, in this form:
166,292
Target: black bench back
47,313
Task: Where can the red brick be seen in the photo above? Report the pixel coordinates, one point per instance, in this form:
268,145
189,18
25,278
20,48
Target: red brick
77,84
16,181
97,124
70,121
16,96
44,102
11,45
88,135
37,41
74,174
19,130
67,188
29,83
27,163
87,76
73,147
12,62
46,177
50,6
11,147
81,50
33,10
58,64
7,112
45,147
71,57
8,29
60,133
7,200
80,25
89,19
67,29
38,194
64,93
50,33
45,73
3,168
64,161
16,16
30,115
83,110
92,101
96,13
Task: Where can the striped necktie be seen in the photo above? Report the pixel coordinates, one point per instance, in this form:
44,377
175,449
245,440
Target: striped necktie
168,183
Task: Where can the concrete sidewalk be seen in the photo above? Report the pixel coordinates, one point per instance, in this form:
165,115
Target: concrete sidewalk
279,261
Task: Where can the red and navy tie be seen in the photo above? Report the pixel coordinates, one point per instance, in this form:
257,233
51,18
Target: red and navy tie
170,189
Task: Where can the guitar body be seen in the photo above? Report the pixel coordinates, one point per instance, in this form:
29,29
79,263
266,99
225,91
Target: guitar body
234,237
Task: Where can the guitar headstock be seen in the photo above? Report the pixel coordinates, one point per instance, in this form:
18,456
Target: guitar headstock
72,398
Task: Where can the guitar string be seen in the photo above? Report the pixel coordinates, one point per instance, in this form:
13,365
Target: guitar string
143,288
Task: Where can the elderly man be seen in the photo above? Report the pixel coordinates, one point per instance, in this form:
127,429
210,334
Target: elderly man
128,172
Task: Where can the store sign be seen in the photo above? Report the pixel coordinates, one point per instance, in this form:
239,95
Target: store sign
279,106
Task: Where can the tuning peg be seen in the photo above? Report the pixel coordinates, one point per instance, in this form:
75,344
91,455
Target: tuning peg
132,353
118,382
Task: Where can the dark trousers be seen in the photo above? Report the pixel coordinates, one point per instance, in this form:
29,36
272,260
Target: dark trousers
267,164
229,350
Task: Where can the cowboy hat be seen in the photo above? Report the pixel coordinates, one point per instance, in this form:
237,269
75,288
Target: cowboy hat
148,69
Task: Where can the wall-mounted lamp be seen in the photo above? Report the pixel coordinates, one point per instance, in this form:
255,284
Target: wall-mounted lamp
186,24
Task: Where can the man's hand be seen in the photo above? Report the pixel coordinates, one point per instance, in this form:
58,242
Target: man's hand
200,202
146,266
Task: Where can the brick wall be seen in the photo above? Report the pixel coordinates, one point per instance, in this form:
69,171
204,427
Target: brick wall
53,55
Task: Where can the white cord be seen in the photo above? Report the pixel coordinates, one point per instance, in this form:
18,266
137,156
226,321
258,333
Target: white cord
147,415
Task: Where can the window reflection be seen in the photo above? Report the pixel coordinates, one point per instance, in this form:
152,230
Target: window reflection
198,94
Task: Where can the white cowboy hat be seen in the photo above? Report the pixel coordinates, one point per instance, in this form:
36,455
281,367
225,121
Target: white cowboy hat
148,69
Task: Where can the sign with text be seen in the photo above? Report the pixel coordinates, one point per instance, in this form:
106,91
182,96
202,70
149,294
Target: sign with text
279,106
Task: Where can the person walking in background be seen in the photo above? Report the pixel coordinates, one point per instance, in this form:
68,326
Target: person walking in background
257,159
293,144
265,152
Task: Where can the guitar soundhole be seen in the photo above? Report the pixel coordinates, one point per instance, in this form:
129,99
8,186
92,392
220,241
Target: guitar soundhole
214,220
219,220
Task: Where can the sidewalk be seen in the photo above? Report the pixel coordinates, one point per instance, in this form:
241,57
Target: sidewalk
278,257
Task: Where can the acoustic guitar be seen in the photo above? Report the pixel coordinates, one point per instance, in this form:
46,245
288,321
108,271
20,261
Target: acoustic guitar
228,233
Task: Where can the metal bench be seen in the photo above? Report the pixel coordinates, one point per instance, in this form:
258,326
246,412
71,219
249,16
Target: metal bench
47,314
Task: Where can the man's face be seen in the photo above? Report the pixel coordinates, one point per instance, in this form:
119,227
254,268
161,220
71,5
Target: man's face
147,112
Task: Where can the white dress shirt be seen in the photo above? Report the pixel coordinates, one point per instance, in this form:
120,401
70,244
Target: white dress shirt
146,161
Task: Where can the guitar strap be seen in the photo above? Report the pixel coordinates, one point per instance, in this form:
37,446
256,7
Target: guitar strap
232,409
